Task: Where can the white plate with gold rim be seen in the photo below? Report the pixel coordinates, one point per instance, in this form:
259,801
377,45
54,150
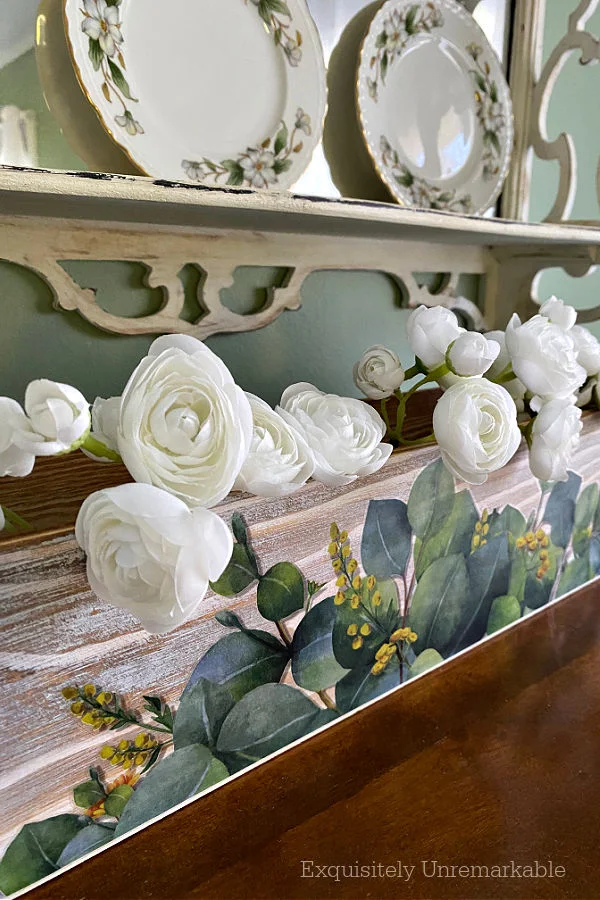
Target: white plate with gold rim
213,91
434,106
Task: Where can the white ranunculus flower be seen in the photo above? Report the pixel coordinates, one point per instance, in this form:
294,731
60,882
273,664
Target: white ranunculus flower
59,416
378,373
475,424
472,354
543,357
101,23
430,332
149,553
515,388
587,348
559,313
344,435
14,460
279,461
105,426
184,425
554,439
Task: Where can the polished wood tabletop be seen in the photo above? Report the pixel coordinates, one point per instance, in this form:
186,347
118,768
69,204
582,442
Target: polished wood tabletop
491,761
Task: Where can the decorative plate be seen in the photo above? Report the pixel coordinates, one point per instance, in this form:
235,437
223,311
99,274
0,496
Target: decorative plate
218,92
434,106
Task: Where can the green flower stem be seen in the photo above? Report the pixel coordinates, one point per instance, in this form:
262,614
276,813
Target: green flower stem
97,448
505,375
403,399
412,372
326,700
14,521
284,633
122,716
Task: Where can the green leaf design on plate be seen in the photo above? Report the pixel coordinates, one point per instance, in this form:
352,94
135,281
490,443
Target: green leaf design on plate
267,719
314,666
280,592
202,711
504,610
281,139
560,509
360,685
441,606
35,851
236,172
431,499
177,778
96,54
88,839
240,662
454,536
239,574
386,538
119,79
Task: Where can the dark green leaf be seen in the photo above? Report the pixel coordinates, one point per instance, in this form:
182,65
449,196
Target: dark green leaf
119,79
576,573
379,624
264,11
431,499
504,610
560,509
117,800
454,536
586,506
280,592
267,719
510,520
202,711
384,65
314,665
238,527
493,139
480,82
441,606
489,574
88,793
538,590
279,6
493,92
360,685
153,704
236,174
281,139
96,54
242,661
85,841
177,778
381,40
229,620
35,851
425,661
386,539
239,574
409,22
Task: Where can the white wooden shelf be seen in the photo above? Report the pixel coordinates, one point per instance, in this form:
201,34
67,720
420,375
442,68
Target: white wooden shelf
48,216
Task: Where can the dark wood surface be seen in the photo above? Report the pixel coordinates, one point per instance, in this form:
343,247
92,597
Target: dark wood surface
493,758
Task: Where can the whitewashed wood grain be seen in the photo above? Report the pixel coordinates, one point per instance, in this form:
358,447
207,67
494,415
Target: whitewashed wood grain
54,631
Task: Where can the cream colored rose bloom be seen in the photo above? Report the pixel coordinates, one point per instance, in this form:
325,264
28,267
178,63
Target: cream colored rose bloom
279,461
344,435
475,425
184,425
149,553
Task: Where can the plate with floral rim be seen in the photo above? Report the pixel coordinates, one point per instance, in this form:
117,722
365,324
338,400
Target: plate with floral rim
434,106
219,92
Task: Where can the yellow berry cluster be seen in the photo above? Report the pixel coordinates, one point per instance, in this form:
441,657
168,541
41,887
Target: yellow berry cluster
387,651
481,531
90,705
358,633
537,542
349,583
129,753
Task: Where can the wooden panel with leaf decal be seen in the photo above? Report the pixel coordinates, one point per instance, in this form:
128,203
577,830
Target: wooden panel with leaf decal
105,727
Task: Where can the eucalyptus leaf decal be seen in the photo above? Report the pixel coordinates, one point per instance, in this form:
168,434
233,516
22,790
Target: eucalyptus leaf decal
35,851
314,666
239,574
504,611
441,606
425,661
177,778
360,685
386,539
86,840
280,592
454,536
267,719
240,662
431,499
489,574
202,711
576,573
560,509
